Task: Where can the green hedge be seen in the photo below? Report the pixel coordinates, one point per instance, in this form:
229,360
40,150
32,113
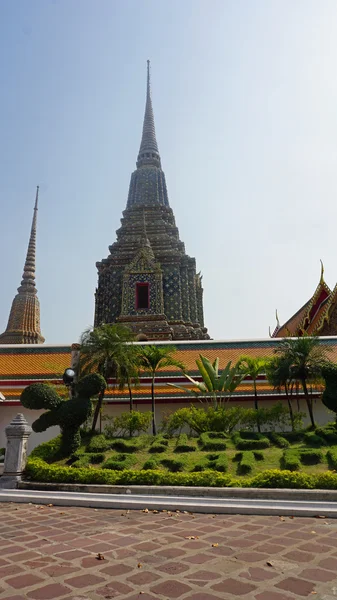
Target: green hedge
253,444
150,463
313,440
38,470
246,463
332,457
211,443
279,440
173,464
218,462
132,445
183,444
311,457
98,443
290,461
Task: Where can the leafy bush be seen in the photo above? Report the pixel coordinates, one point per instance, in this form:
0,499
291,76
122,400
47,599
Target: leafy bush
133,445
220,463
328,433
128,423
253,444
68,414
208,443
293,436
119,462
313,440
83,461
48,451
98,443
311,457
201,420
290,460
150,463
38,470
157,447
278,440
332,457
183,444
258,455
173,464
97,458
246,463
201,465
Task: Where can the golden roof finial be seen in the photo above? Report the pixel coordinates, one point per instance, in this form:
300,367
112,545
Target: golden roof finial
277,319
322,272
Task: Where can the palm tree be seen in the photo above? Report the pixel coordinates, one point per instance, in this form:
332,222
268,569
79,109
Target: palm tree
306,357
253,367
214,384
108,349
152,359
279,375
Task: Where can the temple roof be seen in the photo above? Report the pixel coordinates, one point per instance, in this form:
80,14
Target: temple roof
21,365
310,318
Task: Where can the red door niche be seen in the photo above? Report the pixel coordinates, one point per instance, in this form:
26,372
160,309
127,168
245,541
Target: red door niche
142,296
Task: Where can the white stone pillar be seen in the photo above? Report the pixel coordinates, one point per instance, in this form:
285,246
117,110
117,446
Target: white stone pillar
17,433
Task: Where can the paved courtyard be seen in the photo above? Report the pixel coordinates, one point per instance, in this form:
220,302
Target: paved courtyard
49,552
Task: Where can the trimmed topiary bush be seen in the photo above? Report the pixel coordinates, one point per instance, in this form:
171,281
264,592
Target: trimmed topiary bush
183,444
208,443
278,440
150,463
119,462
258,455
173,464
132,445
246,463
98,443
328,433
68,414
220,463
313,440
253,444
311,457
290,460
332,458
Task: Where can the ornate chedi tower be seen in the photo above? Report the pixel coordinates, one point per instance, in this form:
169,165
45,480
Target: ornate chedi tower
24,320
148,282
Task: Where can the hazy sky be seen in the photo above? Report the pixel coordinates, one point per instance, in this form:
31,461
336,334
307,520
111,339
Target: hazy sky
245,103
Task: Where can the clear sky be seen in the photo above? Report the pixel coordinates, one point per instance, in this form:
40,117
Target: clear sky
245,103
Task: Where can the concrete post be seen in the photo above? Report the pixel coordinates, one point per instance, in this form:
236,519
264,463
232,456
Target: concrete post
17,433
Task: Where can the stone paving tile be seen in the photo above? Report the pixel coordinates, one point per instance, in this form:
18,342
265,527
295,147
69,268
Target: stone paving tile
50,553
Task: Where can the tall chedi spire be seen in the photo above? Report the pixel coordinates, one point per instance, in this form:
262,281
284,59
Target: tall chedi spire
148,282
24,320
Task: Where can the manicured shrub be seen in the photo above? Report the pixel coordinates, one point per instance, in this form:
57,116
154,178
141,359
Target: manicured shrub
98,443
80,463
249,435
218,435
131,445
328,433
158,445
97,458
173,464
253,444
150,463
246,463
332,457
68,414
38,470
293,436
201,465
278,440
208,443
184,445
119,462
48,451
290,460
220,464
258,455
311,457
313,440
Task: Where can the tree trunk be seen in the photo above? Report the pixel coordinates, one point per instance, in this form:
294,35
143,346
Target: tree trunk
309,402
130,395
154,428
256,404
290,407
97,411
